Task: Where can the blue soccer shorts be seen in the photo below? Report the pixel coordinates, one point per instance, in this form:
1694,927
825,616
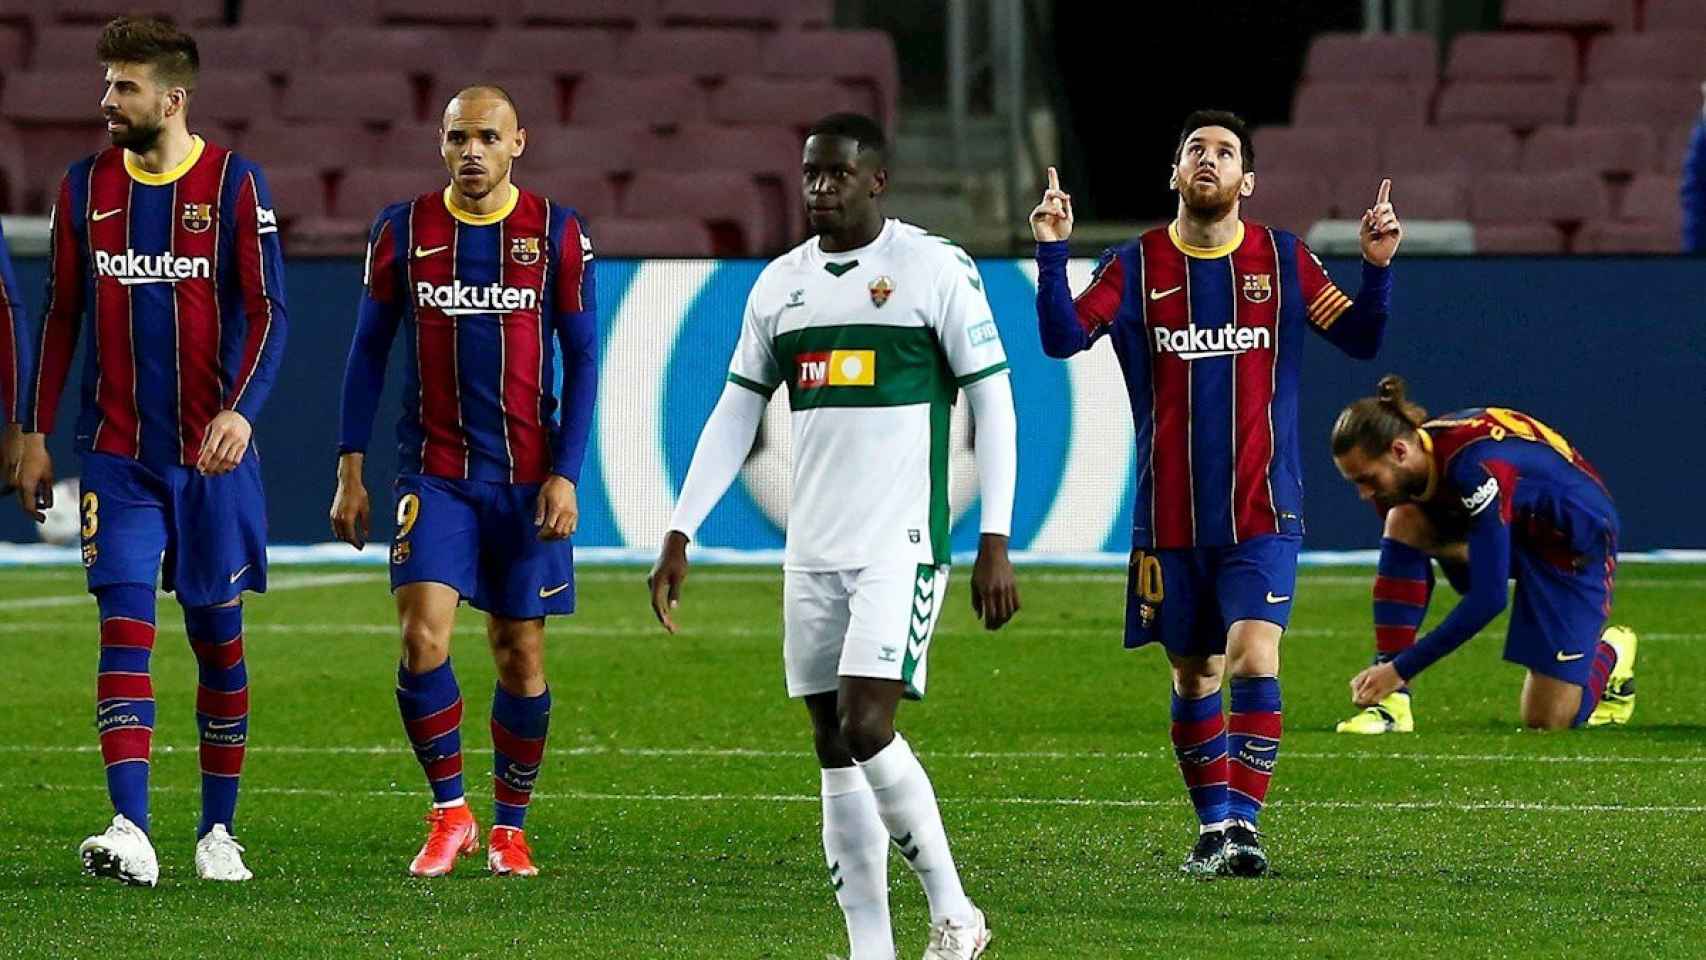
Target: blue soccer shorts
1560,609
204,538
478,538
1188,598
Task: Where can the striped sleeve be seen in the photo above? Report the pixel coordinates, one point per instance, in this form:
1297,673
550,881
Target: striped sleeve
62,318
1322,298
260,272
378,317
575,321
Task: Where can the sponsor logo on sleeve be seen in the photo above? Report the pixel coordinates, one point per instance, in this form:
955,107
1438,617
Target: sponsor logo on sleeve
1485,494
982,333
266,221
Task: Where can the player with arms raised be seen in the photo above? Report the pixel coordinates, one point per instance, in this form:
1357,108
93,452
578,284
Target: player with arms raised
490,284
874,326
1494,495
170,245
1207,317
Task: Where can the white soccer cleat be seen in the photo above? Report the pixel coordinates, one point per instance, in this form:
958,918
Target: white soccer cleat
954,941
122,853
220,857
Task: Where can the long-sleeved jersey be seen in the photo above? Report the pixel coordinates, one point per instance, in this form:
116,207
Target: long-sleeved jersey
1694,191
14,341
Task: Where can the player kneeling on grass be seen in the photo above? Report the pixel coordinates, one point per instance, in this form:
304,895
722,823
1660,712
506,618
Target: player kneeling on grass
1493,495
490,281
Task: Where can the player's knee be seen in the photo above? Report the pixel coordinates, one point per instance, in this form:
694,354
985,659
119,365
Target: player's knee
1196,677
866,729
425,647
1408,525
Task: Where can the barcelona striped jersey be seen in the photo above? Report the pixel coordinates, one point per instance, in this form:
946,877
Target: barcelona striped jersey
14,341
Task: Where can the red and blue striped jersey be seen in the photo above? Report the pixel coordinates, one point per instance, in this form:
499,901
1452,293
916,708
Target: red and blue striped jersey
14,342
484,303
1210,342
182,278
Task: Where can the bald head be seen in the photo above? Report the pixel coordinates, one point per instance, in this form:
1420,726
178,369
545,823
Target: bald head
487,91
480,137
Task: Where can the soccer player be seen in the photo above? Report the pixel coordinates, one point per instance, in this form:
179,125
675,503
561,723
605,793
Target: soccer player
1494,495
492,284
14,366
1207,317
170,245
875,326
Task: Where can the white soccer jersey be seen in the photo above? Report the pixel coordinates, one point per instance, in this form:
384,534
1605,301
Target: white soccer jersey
874,345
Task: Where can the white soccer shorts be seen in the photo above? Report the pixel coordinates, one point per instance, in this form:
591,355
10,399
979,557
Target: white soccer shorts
873,622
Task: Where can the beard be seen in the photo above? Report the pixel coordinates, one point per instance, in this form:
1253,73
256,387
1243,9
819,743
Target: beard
138,136
1209,204
1410,485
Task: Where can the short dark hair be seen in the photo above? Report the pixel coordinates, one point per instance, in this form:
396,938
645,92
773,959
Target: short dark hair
857,127
1219,118
493,91
1372,423
171,52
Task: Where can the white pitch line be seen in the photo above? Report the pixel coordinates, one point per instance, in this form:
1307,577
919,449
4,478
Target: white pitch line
282,582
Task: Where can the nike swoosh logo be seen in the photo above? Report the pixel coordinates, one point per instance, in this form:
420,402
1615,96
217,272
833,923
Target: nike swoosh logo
240,571
1274,599
1574,656
1158,294
107,708
548,593
223,726
429,251
100,215
1261,747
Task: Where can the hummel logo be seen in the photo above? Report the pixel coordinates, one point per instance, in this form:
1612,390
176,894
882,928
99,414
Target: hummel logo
100,215
240,571
1566,658
1158,294
1274,599
546,594
429,251
915,644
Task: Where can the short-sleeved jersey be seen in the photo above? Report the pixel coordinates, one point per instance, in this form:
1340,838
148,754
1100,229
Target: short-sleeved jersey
873,345
182,278
14,341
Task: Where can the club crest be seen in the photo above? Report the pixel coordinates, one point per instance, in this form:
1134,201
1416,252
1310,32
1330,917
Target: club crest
198,217
1258,287
524,250
881,288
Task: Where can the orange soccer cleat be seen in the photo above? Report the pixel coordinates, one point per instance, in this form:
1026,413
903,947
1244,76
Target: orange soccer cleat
454,834
508,855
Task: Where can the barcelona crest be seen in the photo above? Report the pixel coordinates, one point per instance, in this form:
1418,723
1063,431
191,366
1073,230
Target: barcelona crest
1146,615
1258,287
524,250
880,290
198,217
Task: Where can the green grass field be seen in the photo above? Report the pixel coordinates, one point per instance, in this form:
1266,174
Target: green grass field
677,813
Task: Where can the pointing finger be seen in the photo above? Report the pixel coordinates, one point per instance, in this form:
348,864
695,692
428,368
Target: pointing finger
1385,192
1053,179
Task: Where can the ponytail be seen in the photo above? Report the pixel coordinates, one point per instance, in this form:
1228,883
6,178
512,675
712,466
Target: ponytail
1372,423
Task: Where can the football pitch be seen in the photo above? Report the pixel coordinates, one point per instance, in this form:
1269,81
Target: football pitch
677,812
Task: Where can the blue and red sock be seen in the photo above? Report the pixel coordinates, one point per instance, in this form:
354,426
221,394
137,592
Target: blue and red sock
431,705
221,708
1403,585
1604,661
1199,742
519,725
124,696
1253,741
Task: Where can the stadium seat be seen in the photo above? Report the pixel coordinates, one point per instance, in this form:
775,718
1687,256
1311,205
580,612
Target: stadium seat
729,199
1655,198
860,57
327,236
14,43
770,154
591,194
1659,105
772,101
62,48
1520,104
1540,57
1466,148
1407,58
633,237
1679,55
316,15
1313,150
236,97
1622,150
100,11
538,96
411,51
1571,14
378,98
318,146
297,192
1529,238
14,173
1360,104
1616,236
625,13
58,96
48,150
656,101
1290,201
1674,150
760,14
1664,15
438,13
563,53
1566,197
1417,196
275,50
405,145
708,54
607,150
361,194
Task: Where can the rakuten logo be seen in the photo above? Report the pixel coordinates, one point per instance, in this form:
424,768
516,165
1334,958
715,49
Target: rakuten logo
459,299
1195,344
131,268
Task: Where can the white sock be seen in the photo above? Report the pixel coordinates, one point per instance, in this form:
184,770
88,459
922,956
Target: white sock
907,804
856,848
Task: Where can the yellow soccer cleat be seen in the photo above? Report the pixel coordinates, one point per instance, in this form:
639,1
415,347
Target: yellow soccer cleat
1392,715
1617,703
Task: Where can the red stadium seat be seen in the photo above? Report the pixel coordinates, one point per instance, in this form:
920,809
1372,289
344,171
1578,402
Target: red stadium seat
538,96
1360,104
438,13
101,11
237,97
1659,105
625,13
327,236
64,48
566,53
1520,104
729,199
378,98
1566,197
1622,150
316,15
1288,201
1407,58
1529,238
71,96
1616,236
1419,196
1675,149
707,54
591,194
361,194
1332,151
1662,15
861,57
297,192
758,14
1467,148
317,146
14,173
1571,14
1541,57
778,102
770,154
412,51
14,43
1655,198
1648,56
654,101
407,145
607,150
274,50
630,237
48,150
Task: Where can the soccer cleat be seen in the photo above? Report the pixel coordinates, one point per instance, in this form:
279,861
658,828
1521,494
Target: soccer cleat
954,941
453,833
508,854
123,853
1392,715
1208,857
1617,702
218,856
1244,854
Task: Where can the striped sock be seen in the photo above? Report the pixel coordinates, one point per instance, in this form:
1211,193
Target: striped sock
431,705
1403,585
1604,660
124,695
221,708
1253,742
518,745
1199,741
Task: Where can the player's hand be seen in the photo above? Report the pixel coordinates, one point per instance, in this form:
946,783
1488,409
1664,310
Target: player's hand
558,513
35,477
11,451
1375,684
1052,219
667,576
1381,230
994,589
227,440
352,509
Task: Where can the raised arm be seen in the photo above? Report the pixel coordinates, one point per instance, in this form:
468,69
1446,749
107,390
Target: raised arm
1067,325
